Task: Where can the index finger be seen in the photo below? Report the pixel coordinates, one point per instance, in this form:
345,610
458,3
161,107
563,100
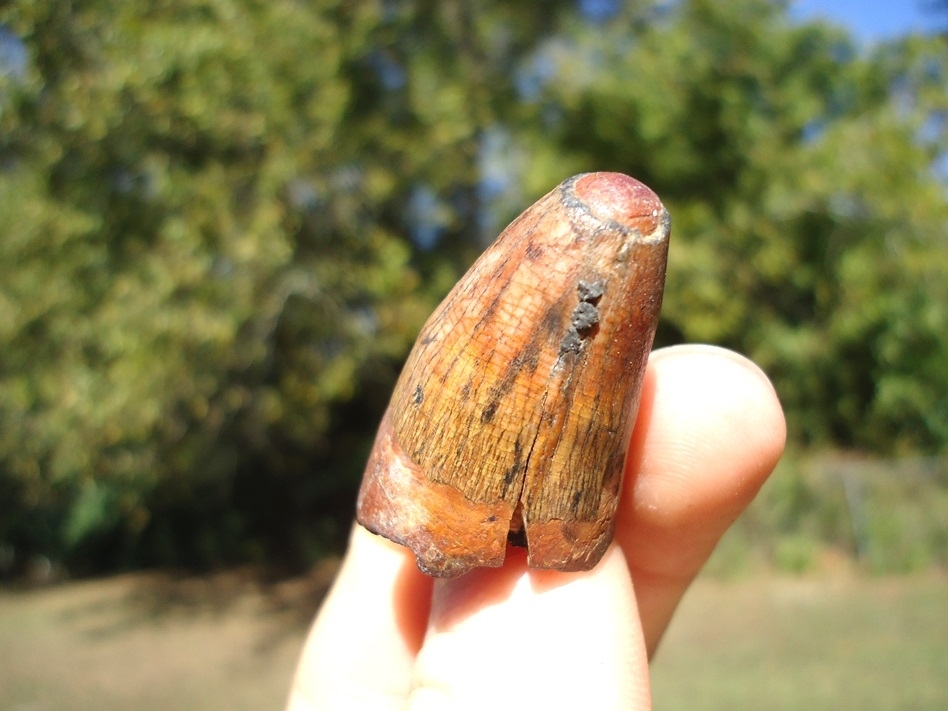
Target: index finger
361,650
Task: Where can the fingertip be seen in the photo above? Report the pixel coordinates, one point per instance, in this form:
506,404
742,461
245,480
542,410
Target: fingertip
385,574
712,429
572,640
374,618
720,374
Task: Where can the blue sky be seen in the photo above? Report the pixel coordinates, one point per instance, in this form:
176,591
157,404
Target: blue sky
871,20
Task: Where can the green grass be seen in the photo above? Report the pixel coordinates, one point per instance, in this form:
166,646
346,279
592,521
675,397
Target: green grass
888,515
149,641
836,642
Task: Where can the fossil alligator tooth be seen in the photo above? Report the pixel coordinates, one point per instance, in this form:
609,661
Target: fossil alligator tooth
512,416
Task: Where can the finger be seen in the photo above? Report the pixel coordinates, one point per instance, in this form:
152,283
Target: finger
513,638
379,590
710,430
361,649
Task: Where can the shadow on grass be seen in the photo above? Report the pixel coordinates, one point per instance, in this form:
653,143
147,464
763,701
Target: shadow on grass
287,604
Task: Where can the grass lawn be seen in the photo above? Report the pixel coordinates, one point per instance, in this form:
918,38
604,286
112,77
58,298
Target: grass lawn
811,643
152,641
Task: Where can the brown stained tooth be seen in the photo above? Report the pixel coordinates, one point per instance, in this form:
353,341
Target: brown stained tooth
512,416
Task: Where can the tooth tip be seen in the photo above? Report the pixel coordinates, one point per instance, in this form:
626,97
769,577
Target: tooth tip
622,199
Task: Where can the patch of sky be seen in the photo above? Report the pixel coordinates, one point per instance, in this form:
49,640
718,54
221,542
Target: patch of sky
599,10
935,127
534,74
871,21
13,54
303,195
933,132
387,68
426,217
813,131
494,164
940,169
498,165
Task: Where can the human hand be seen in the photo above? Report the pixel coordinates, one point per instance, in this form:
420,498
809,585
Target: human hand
709,431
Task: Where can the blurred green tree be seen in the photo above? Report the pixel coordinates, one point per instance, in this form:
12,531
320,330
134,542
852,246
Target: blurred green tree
807,185
205,210
222,223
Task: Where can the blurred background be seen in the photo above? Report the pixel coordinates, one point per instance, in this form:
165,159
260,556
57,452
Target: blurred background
223,222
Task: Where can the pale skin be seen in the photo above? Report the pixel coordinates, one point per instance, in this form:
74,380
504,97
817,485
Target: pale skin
709,431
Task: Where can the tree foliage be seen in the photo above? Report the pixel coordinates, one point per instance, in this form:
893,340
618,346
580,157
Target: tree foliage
810,230
222,223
